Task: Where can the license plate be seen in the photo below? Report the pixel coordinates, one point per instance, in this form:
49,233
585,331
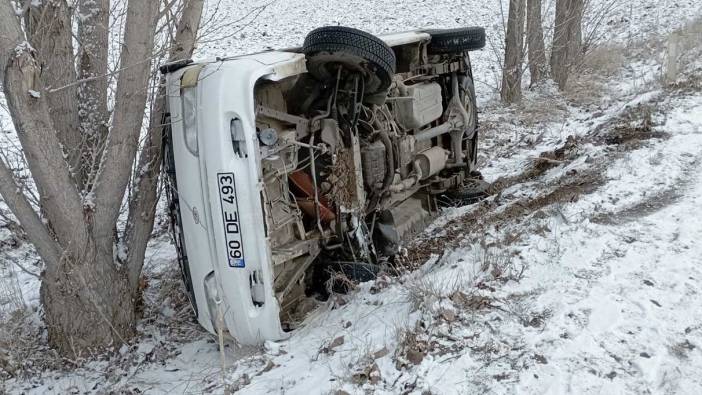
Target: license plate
230,218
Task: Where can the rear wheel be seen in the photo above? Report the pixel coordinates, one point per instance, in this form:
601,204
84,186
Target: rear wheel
470,139
472,191
456,40
327,48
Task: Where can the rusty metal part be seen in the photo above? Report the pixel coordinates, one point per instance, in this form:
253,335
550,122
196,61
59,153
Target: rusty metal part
307,204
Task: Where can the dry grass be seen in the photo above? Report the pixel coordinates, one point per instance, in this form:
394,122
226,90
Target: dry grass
422,292
11,298
588,83
606,60
15,346
21,355
690,51
498,263
413,346
690,38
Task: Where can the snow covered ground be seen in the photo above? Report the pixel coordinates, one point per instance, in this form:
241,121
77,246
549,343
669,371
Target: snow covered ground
582,274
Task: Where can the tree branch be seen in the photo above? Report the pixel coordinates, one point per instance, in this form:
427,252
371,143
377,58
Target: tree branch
92,92
37,233
49,30
31,116
130,101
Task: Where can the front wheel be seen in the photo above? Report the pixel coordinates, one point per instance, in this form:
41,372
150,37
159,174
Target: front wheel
456,40
330,47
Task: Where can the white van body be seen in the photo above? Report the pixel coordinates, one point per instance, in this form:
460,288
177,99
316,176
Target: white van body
219,183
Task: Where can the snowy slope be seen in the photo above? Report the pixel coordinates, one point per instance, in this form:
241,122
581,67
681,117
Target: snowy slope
583,277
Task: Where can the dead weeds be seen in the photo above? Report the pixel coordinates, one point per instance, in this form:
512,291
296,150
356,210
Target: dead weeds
630,130
682,349
413,346
539,165
473,302
461,231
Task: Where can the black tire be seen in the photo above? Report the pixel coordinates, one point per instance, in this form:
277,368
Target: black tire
173,66
329,47
456,40
174,212
472,191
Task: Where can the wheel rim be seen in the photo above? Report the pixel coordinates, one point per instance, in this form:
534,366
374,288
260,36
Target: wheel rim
471,143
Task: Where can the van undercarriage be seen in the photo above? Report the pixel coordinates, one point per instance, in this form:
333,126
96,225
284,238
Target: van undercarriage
345,148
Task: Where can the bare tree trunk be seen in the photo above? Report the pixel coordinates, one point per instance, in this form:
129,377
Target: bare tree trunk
49,31
567,40
87,289
87,300
559,48
535,42
142,207
93,37
31,117
130,102
575,44
514,53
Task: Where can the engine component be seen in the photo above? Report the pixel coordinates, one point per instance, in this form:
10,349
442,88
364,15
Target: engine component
304,184
471,138
330,133
354,179
460,119
373,164
431,161
399,223
281,157
401,185
420,104
406,146
436,131
457,122
268,136
282,221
